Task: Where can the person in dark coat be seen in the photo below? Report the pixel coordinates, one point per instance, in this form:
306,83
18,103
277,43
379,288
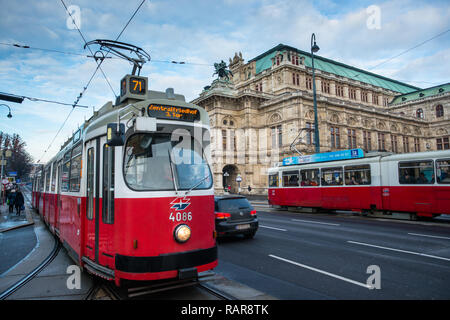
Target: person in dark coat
11,200
20,201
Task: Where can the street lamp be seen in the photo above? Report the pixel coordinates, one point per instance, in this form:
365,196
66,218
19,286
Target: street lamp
315,48
9,114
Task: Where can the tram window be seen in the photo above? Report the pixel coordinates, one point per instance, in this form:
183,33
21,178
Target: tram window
152,161
443,171
332,176
273,180
310,177
47,179
416,172
54,176
108,184
357,175
75,169
90,184
65,173
190,164
290,178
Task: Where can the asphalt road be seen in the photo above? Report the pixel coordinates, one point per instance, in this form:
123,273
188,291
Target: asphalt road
319,256
15,245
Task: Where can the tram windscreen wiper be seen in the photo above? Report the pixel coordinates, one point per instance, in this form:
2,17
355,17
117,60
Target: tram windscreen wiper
197,184
171,170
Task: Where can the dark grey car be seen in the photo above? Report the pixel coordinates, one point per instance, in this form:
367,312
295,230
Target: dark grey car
235,215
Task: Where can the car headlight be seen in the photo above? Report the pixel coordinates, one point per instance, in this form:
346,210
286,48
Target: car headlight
182,233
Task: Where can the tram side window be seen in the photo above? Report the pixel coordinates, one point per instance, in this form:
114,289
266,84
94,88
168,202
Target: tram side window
332,176
75,168
47,179
416,172
54,176
310,177
357,175
108,184
65,173
443,171
273,180
290,178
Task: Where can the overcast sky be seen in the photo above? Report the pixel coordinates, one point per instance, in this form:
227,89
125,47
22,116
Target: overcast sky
199,32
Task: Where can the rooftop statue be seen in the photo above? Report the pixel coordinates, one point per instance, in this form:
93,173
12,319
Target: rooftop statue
222,71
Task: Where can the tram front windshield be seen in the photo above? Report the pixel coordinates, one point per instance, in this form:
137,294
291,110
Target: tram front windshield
155,162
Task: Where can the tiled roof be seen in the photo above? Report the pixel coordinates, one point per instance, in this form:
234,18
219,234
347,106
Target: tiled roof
263,62
421,94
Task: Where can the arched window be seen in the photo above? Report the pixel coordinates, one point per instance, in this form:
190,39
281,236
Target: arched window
439,111
419,113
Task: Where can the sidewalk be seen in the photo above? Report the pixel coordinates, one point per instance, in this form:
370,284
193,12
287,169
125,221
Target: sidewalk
250,197
10,221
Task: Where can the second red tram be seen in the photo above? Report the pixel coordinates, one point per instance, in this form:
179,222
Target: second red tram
417,183
141,208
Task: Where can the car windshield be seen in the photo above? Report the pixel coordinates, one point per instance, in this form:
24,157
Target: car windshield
229,205
155,162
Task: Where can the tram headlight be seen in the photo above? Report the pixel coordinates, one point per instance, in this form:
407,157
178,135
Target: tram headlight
182,233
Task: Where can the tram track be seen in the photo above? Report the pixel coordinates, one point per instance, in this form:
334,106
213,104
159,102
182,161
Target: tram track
105,290
31,275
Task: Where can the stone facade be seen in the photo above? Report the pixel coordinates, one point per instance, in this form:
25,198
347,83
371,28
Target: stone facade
257,115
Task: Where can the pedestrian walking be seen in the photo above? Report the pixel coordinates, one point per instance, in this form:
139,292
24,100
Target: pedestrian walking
11,200
19,203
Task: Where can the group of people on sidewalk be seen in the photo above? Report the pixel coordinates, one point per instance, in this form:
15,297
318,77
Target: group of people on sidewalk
15,199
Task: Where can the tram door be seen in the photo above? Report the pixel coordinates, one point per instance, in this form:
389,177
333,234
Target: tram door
100,162
106,223
92,163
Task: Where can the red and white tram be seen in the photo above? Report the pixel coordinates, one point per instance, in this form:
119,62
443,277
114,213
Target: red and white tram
417,183
130,195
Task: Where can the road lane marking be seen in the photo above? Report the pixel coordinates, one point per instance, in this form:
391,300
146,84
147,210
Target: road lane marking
272,228
399,250
426,235
323,272
308,221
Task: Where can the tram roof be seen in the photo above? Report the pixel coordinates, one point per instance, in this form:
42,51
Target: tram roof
377,156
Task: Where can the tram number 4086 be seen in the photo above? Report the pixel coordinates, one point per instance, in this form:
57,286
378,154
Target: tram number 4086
180,216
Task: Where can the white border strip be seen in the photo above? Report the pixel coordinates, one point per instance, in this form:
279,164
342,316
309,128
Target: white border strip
272,228
323,272
308,221
425,235
398,250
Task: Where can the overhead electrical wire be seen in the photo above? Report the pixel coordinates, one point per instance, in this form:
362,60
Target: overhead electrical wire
59,130
407,50
98,64
98,67
44,100
92,56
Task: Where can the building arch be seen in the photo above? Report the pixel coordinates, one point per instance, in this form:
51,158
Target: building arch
229,174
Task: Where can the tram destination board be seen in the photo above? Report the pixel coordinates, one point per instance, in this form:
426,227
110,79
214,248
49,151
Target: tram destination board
323,157
173,112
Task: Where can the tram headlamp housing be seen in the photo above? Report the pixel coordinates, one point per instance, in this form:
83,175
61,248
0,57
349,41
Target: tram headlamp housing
182,233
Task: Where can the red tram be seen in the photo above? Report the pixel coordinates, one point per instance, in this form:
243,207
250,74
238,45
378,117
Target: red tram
130,195
417,183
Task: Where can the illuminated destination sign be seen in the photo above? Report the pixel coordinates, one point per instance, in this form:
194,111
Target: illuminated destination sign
173,112
134,85
326,156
